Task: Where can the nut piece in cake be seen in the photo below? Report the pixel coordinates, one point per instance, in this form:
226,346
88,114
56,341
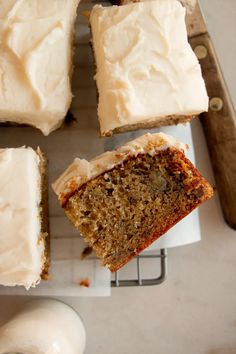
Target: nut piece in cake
125,199
147,74
36,61
24,241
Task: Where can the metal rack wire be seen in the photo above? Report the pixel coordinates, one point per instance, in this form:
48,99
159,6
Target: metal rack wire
138,280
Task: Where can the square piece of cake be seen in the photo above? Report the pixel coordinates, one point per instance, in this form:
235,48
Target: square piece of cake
125,199
36,61
147,74
24,242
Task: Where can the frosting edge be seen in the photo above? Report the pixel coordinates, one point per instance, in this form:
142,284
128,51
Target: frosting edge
81,171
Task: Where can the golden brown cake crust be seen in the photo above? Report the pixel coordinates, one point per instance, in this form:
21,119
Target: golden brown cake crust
154,123
122,211
44,212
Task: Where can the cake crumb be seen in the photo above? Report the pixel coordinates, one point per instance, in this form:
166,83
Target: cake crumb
47,277
86,13
86,252
85,283
119,155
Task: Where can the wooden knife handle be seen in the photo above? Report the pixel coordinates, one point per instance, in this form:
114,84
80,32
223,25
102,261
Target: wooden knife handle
219,125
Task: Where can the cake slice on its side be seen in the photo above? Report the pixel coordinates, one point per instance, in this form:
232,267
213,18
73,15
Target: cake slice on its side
124,200
36,47
147,74
24,239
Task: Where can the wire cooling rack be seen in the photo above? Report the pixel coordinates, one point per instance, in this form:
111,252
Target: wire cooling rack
158,265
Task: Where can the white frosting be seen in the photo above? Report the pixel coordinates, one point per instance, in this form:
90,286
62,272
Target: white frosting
35,61
146,68
21,249
44,327
81,171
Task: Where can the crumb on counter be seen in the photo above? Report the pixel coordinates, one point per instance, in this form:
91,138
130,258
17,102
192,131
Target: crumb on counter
86,252
47,277
85,283
86,13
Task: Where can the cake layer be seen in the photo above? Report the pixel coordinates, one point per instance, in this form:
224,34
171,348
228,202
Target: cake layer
35,61
124,200
81,171
147,74
22,244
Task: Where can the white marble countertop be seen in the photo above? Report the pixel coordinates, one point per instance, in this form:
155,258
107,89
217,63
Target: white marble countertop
194,310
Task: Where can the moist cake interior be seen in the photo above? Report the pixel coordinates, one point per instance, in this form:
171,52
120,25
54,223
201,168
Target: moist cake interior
124,210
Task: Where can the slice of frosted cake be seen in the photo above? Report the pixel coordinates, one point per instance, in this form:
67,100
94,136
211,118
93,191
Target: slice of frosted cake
124,200
24,241
36,61
147,74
